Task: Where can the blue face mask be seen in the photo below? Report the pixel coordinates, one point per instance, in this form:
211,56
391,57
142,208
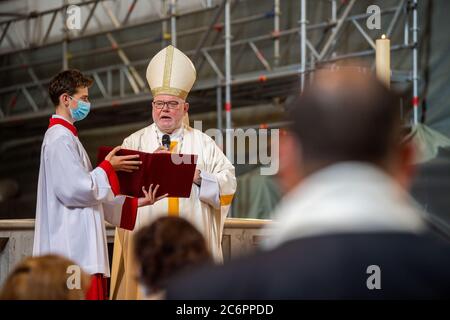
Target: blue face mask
81,111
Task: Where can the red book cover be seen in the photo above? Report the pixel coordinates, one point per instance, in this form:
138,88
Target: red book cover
173,172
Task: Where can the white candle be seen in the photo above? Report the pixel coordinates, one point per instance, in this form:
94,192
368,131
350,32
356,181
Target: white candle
383,60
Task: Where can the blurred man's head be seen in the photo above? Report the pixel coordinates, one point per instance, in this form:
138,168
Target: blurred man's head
343,116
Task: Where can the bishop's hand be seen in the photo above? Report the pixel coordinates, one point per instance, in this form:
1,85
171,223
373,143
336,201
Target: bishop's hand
197,177
161,149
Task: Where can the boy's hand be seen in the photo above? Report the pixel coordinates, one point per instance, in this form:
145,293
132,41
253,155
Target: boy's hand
150,196
123,163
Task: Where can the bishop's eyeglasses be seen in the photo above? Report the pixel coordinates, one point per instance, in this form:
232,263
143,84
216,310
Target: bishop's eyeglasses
170,104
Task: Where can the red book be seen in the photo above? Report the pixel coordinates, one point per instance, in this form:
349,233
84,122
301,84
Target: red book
173,172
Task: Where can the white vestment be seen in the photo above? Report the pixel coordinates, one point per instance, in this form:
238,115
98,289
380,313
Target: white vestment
73,200
206,208
348,197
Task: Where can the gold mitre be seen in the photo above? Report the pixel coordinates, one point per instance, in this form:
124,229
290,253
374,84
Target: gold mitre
171,72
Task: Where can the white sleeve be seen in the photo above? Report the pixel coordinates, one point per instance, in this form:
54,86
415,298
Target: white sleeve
209,189
121,212
113,210
72,183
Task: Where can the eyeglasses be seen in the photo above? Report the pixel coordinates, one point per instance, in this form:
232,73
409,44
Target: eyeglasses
170,104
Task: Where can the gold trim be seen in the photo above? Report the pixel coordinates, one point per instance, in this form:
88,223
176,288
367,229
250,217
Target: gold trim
225,200
168,67
174,207
171,91
173,144
174,203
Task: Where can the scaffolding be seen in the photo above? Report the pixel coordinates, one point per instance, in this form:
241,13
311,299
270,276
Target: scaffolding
122,84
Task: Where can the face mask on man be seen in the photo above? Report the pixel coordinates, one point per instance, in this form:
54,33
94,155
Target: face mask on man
81,111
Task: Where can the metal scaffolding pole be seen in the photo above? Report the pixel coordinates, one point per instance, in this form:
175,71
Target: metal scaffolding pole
415,65
217,37
164,29
207,84
5,25
239,42
312,66
219,110
276,33
32,74
394,20
5,30
86,23
65,60
173,22
130,10
134,43
229,136
332,39
333,19
205,36
302,43
214,47
134,78
186,33
406,26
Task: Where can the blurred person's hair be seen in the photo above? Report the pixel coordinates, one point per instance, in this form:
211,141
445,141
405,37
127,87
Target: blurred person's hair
345,115
165,248
43,278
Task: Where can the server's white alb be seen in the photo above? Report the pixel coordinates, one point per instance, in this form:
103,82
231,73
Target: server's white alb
73,199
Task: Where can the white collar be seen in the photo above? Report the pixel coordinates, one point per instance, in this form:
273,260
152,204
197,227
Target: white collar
175,135
61,117
345,198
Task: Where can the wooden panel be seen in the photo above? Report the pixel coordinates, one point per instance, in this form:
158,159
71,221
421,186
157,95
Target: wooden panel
3,242
226,247
240,236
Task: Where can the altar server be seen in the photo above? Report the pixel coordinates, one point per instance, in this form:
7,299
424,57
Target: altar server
73,199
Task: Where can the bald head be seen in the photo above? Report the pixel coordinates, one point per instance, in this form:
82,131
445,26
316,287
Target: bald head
346,116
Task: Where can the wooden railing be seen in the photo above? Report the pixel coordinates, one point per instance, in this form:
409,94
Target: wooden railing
240,236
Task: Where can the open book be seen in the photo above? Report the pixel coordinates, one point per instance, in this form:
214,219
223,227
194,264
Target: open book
173,172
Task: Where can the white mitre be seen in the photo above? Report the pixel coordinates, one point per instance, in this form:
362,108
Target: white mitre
171,72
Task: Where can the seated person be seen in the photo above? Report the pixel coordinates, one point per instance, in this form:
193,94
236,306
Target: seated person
165,248
347,227
46,277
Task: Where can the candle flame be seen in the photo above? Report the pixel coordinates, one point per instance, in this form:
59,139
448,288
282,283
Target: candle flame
383,36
